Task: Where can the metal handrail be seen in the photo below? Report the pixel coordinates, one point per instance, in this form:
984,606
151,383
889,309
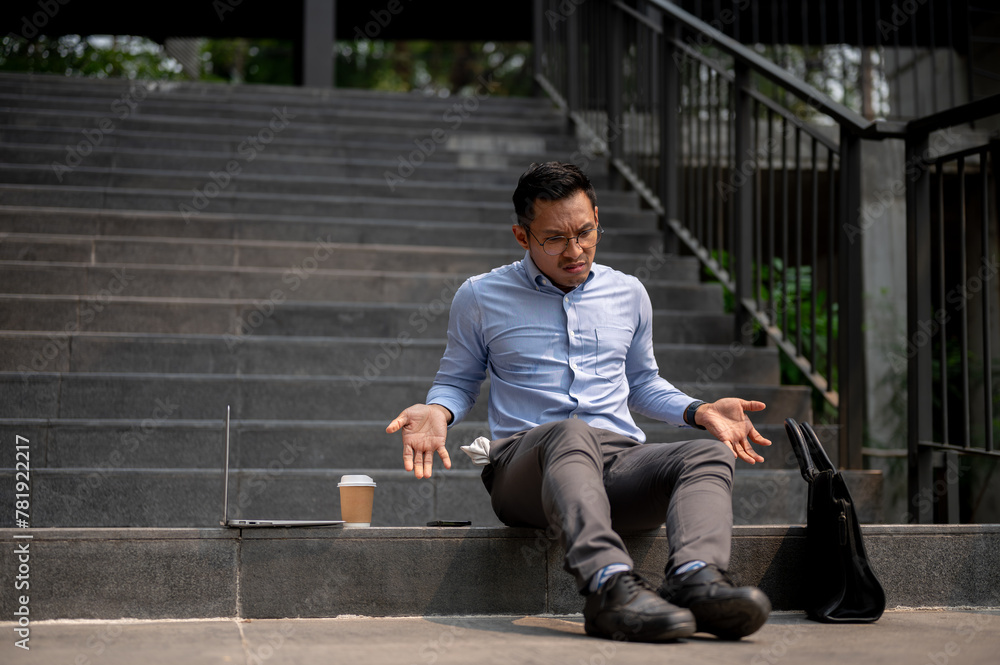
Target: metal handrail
692,120
843,115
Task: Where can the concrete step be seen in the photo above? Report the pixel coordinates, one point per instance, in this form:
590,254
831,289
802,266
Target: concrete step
62,315
302,282
291,397
482,112
154,98
194,202
477,152
39,82
246,93
362,165
297,228
362,357
268,573
148,443
286,125
183,498
95,250
233,179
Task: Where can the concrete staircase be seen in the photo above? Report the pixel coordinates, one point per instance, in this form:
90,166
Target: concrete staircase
168,249
312,296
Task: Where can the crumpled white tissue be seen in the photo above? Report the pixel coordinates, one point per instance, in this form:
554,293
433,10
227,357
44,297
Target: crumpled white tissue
479,451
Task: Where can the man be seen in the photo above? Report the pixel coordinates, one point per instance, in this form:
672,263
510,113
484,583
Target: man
568,347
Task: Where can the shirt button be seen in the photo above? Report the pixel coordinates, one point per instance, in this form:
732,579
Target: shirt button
571,333
575,416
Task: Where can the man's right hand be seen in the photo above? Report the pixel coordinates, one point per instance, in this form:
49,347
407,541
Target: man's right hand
425,428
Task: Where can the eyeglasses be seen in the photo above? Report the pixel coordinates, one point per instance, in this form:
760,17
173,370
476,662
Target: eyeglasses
556,245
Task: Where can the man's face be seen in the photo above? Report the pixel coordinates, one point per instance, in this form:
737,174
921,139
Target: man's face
568,218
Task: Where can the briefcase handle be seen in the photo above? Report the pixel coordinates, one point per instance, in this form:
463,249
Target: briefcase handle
808,450
816,450
801,450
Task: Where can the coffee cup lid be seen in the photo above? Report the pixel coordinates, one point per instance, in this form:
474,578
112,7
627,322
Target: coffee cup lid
355,481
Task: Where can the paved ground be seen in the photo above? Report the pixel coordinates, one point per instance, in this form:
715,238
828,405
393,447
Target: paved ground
920,637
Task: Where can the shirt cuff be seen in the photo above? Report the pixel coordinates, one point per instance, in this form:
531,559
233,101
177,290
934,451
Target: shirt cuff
455,409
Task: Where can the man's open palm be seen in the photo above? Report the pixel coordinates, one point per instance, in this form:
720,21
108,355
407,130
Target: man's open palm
425,429
727,421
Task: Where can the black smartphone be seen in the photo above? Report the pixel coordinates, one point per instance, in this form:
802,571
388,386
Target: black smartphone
450,523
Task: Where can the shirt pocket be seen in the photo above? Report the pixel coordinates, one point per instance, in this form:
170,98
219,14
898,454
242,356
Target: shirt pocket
612,347
520,351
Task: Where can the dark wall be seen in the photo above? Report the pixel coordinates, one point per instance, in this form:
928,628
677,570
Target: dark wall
509,20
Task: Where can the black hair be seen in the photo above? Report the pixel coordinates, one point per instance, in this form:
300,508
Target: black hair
549,181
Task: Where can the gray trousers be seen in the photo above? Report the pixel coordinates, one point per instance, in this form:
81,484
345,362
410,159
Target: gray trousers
589,484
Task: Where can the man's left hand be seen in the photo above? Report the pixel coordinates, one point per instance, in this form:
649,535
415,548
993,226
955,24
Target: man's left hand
727,421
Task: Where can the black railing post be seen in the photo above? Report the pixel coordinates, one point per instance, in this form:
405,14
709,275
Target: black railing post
573,69
919,379
743,222
538,51
616,54
850,309
669,119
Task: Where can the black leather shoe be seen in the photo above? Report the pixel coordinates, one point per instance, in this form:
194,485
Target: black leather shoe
719,606
626,608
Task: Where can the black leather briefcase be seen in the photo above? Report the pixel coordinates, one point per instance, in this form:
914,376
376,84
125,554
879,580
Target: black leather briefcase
839,584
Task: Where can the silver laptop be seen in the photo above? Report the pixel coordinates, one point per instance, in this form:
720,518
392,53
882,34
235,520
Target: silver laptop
252,523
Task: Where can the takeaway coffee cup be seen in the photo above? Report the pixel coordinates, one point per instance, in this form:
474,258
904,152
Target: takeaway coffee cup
357,495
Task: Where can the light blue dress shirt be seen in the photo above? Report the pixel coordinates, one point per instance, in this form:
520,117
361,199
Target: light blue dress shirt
551,355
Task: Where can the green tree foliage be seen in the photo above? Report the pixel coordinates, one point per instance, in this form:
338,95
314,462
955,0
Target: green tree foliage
435,67
439,68
97,56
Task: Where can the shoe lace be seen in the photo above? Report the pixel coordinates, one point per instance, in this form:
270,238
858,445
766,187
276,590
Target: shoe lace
676,582
634,582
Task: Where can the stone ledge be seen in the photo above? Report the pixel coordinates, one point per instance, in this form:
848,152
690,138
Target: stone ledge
386,571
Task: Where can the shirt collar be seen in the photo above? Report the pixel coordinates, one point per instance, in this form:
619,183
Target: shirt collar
538,278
